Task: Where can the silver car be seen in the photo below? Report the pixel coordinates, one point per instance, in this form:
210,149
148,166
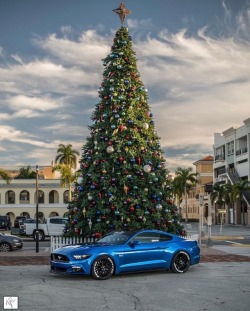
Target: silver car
9,242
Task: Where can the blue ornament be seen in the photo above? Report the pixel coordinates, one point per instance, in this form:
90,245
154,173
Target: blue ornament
126,82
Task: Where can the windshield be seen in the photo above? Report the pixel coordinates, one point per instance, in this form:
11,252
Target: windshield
116,237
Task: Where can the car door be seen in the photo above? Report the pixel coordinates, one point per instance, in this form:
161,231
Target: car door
144,251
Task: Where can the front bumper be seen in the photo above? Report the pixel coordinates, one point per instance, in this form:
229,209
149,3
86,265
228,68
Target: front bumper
17,245
76,267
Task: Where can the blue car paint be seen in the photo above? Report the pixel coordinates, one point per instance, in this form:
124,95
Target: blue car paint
126,257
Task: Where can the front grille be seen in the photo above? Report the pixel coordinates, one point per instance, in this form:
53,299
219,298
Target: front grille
58,269
59,258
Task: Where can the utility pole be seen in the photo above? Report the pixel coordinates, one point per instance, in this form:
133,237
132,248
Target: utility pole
37,231
201,198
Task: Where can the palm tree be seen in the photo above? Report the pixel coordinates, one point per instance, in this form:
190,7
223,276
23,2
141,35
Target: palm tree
67,155
26,173
238,193
185,180
218,194
228,196
67,176
5,175
178,191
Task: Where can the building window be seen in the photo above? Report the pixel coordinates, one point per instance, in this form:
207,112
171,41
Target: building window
10,197
40,197
24,196
230,148
53,196
220,153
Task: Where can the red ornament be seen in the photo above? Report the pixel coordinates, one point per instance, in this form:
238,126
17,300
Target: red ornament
76,231
132,209
98,235
112,208
139,160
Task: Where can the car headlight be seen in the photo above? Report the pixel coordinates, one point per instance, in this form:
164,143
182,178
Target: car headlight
85,256
16,240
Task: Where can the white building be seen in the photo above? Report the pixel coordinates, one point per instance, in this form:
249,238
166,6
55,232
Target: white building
19,197
231,163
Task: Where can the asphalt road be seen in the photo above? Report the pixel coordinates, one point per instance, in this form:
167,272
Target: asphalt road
205,287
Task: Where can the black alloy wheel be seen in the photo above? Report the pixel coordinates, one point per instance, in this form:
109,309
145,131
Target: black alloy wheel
180,262
103,268
5,247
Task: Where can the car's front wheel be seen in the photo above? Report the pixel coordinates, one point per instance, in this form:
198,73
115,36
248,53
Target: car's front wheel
5,247
103,268
180,262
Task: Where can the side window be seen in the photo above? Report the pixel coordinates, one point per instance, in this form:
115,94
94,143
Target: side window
58,221
151,237
147,237
165,237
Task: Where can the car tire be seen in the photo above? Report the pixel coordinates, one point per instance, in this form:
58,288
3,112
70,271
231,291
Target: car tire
103,268
41,236
5,247
180,262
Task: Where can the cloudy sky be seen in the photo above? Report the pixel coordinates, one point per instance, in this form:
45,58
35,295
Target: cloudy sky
193,56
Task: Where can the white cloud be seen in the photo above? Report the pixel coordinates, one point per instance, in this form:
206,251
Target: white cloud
197,85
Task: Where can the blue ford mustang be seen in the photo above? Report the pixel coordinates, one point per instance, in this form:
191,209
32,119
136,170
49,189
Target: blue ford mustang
126,251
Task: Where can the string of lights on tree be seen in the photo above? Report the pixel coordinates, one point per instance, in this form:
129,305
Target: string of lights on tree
124,182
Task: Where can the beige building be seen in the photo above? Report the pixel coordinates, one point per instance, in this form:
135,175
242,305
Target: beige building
204,170
19,197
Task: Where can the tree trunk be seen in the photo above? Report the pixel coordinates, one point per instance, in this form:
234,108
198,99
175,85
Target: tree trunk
186,204
70,192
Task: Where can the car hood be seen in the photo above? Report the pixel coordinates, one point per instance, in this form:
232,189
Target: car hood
82,248
11,236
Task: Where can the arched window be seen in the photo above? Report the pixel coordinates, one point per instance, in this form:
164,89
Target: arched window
24,197
53,214
40,196
53,196
66,196
10,197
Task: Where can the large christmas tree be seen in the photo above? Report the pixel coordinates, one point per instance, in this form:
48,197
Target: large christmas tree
124,180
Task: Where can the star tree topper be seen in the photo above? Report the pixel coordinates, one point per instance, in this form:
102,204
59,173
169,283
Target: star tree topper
122,12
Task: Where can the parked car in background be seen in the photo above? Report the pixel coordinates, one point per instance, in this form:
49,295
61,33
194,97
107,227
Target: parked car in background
126,251
28,221
17,221
9,242
53,226
5,222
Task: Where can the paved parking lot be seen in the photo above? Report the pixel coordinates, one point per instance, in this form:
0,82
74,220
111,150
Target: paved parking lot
205,287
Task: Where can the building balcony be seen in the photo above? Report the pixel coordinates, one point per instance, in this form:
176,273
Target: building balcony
241,151
218,158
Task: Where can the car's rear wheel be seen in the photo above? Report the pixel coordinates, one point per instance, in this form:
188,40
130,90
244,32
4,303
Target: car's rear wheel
5,247
41,236
180,262
103,268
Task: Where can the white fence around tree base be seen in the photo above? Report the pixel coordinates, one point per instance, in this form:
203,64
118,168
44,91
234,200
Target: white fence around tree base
60,241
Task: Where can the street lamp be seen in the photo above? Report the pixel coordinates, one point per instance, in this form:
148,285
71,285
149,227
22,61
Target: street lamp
37,231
